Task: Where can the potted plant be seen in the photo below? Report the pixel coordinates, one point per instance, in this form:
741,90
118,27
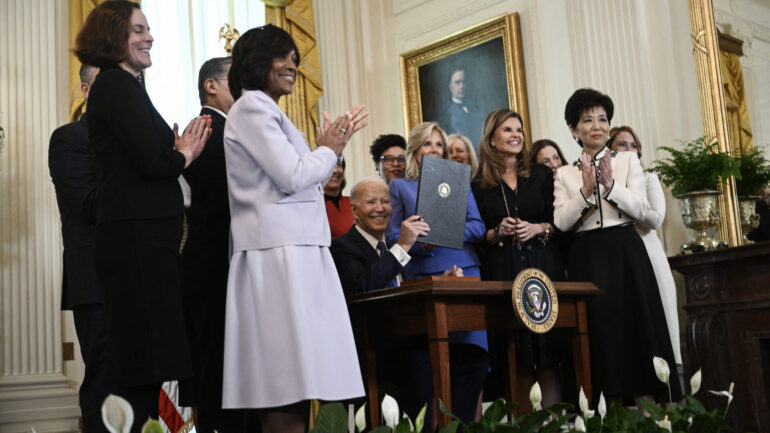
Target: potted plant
755,175
693,173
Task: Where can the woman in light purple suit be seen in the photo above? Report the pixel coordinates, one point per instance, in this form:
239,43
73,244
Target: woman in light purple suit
287,333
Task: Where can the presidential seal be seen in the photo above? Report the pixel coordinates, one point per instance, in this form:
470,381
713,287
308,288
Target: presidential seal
534,300
444,190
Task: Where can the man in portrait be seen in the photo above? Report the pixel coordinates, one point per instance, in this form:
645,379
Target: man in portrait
461,116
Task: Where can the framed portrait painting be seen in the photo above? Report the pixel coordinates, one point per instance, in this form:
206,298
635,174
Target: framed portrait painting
457,81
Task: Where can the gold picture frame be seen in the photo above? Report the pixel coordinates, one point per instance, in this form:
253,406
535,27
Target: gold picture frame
485,48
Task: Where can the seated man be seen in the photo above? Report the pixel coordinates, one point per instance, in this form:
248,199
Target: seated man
364,264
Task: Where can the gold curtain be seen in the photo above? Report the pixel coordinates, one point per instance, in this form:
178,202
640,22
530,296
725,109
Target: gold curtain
79,10
296,17
738,124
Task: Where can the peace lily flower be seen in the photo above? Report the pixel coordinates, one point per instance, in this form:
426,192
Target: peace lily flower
535,396
117,414
728,393
152,426
583,402
361,418
579,424
390,411
664,423
411,426
419,421
661,369
695,382
602,408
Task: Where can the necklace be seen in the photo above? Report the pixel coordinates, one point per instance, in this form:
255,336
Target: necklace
508,212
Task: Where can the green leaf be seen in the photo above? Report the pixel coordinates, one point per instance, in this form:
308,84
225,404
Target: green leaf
444,410
496,411
451,427
332,418
403,426
655,411
381,429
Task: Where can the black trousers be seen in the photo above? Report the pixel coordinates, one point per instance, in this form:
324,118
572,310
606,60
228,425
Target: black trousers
91,328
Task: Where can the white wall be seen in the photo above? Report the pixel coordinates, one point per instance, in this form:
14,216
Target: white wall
637,51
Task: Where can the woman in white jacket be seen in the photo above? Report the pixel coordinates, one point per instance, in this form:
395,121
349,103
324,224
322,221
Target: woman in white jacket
622,139
600,197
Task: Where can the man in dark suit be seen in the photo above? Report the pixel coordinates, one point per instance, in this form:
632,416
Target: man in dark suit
364,263
205,260
72,170
460,116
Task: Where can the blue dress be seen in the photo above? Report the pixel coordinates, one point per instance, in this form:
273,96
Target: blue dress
403,198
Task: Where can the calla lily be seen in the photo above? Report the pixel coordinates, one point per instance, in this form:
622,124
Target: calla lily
535,396
117,414
664,423
695,382
152,426
661,368
728,393
602,408
583,402
411,426
390,411
419,421
361,418
580,425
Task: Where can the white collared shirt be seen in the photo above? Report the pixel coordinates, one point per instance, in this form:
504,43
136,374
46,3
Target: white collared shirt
399,253
217,110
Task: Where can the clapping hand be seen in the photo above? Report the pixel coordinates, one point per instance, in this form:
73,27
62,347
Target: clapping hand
193,138
605,172
335,135
589,175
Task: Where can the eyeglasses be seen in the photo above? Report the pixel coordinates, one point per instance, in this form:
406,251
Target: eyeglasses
390,160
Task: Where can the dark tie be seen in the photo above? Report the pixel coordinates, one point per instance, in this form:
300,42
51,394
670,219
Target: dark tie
384,250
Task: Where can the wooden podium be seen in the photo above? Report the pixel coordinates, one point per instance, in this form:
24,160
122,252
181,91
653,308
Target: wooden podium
728,329
438,305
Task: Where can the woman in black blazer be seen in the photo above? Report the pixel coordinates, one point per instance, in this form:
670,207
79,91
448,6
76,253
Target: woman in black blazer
139,207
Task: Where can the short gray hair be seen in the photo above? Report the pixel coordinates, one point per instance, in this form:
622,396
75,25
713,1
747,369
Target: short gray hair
363,181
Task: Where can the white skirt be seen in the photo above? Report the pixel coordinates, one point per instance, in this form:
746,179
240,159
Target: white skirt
666,285
287,330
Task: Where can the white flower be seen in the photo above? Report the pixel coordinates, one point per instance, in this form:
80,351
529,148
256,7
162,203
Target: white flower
411,426
579,424
664,423
117,414
728,393
361,418
535,396
602,408
695,382
661,368
390,411
583,402
419,421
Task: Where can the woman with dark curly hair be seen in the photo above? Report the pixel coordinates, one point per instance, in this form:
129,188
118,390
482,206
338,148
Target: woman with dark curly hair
287,332
600,198
139,208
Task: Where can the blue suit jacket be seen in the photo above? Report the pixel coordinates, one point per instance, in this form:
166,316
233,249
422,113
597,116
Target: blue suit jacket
403,197
359,266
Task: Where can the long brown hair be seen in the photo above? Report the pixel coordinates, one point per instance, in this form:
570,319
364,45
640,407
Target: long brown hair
491,167
617,130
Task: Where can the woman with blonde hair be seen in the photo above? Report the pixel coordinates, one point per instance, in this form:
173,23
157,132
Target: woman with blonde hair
515,198
461,150
468,351
624,138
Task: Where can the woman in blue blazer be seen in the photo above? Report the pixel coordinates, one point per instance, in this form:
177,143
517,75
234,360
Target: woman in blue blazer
468,350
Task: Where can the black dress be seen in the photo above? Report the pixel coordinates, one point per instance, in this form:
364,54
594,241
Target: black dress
532,202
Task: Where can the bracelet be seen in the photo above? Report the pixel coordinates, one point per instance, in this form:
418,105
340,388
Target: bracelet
547,234
496,232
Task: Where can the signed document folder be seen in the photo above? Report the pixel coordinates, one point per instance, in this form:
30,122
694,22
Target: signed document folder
442,200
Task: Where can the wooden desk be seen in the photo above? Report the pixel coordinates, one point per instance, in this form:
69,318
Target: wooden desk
437,306
728,329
